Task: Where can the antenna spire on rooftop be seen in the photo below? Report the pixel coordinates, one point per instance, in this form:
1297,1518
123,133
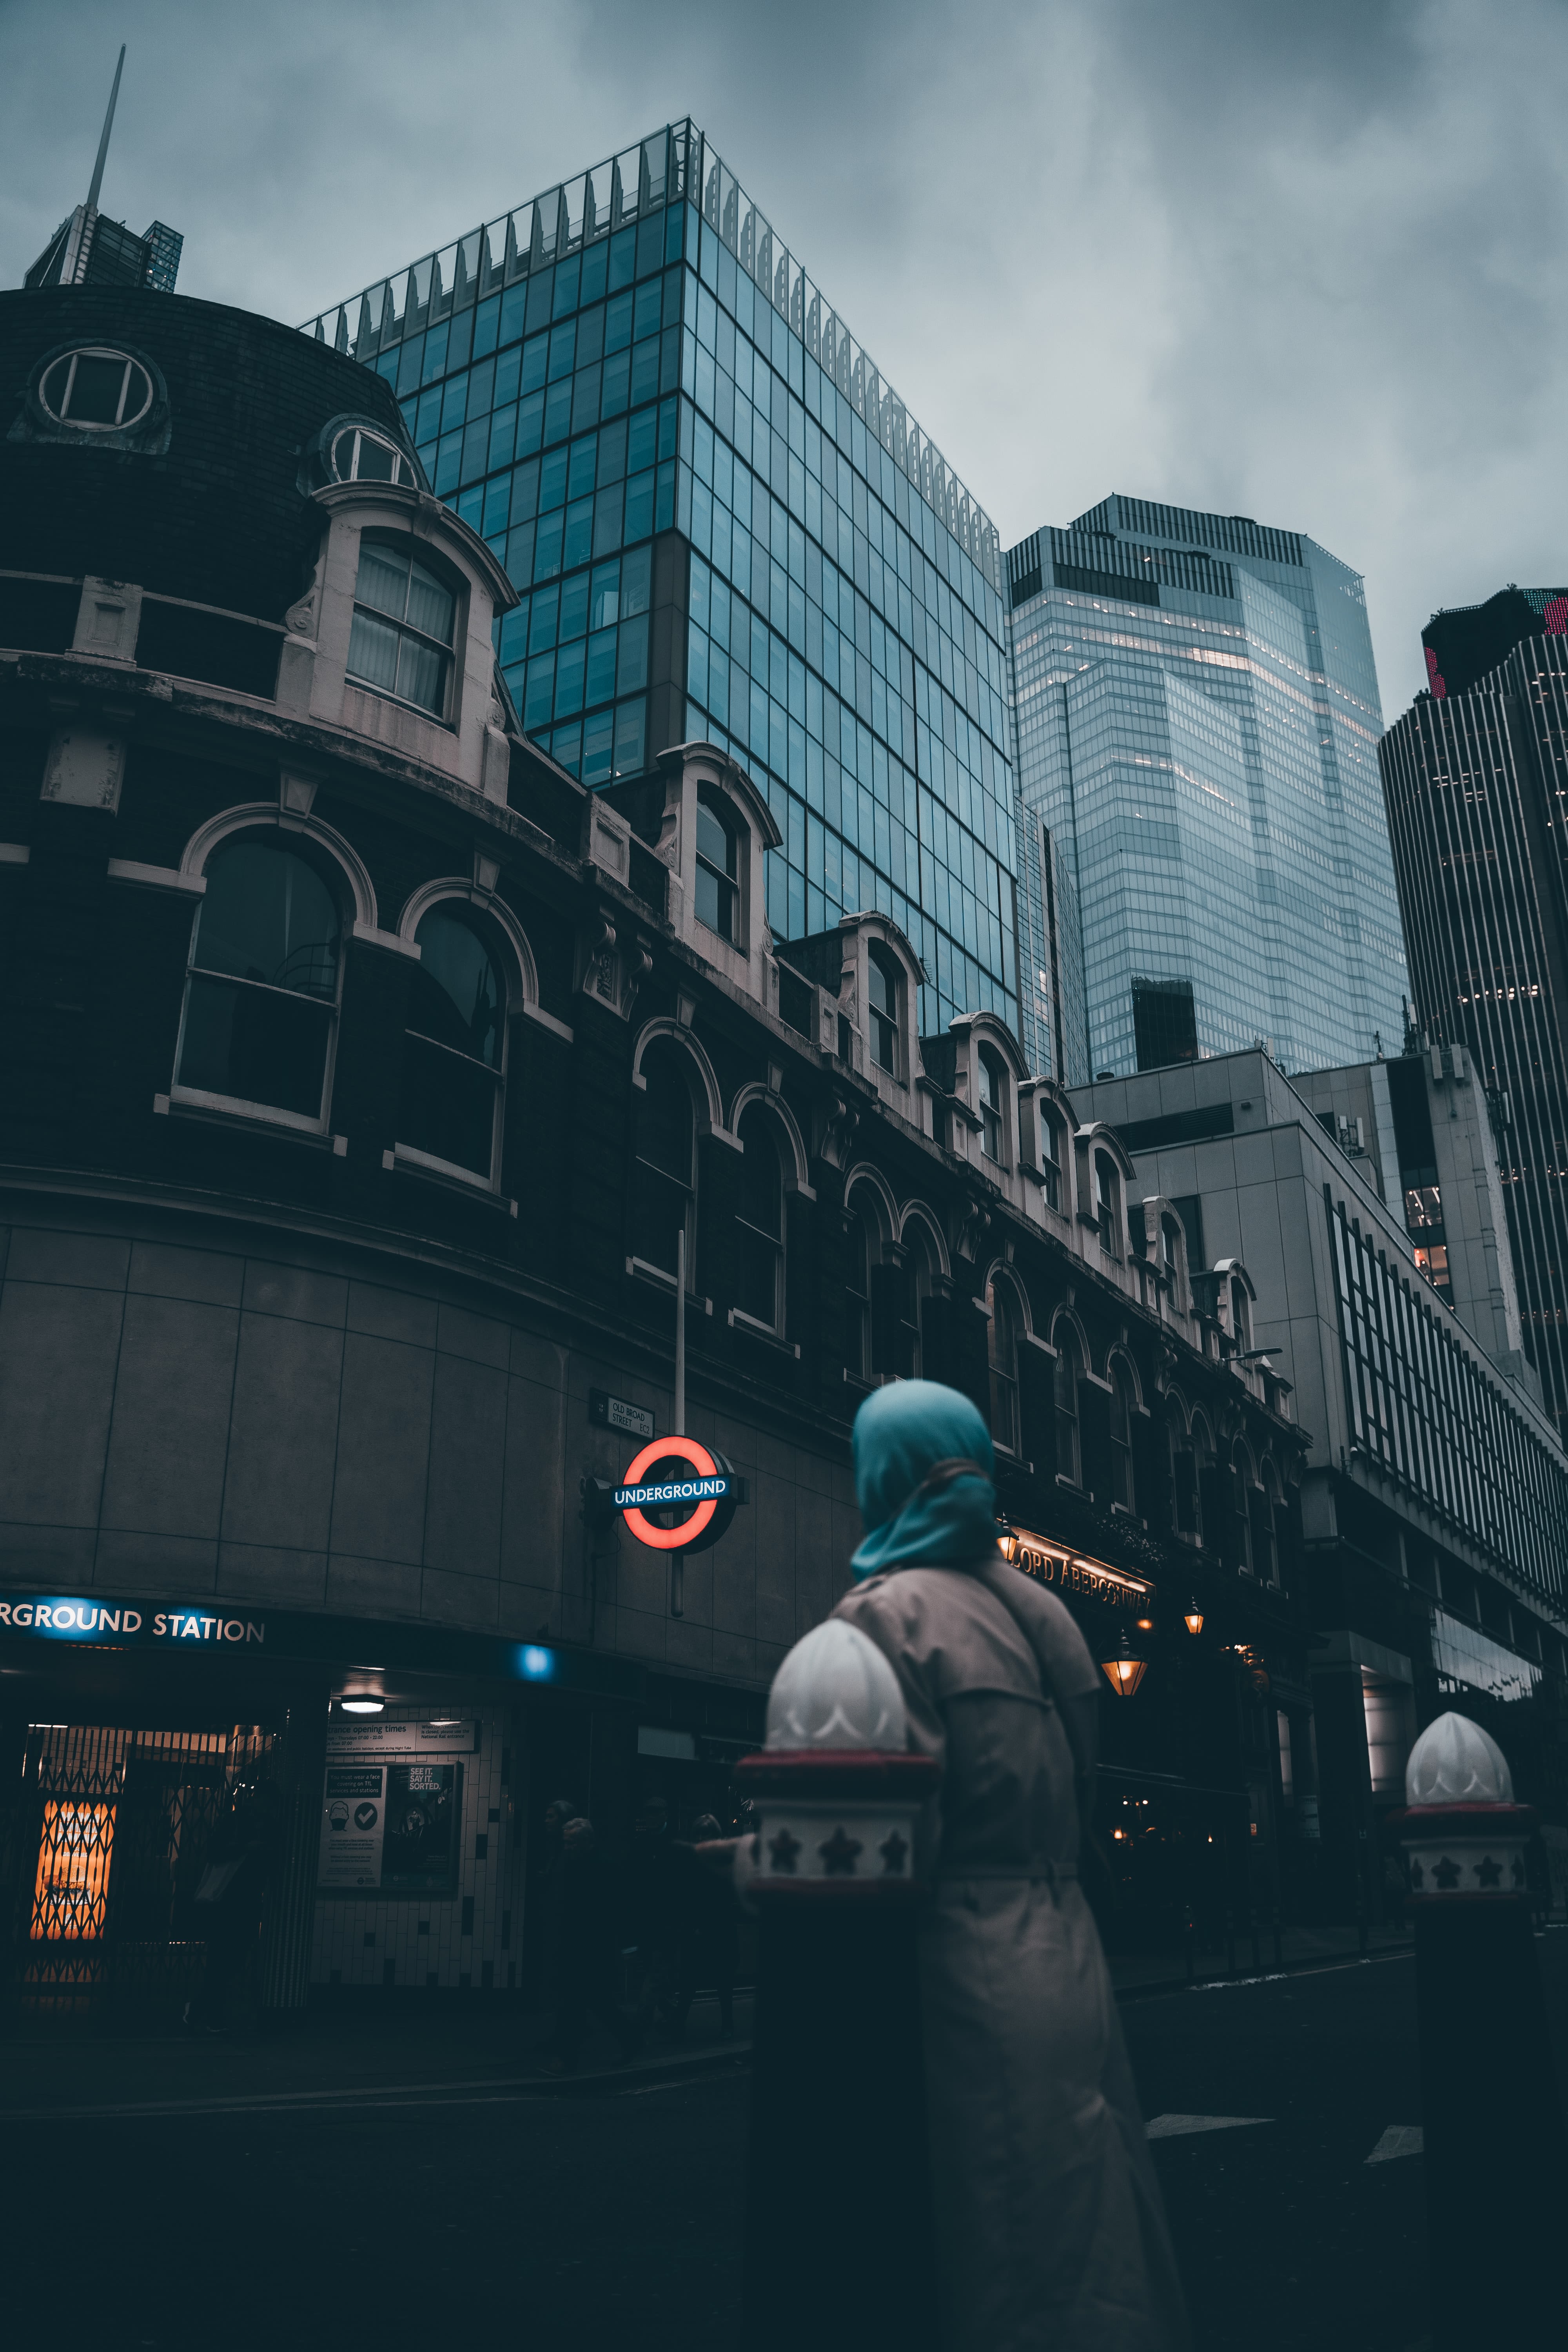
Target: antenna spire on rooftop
108,127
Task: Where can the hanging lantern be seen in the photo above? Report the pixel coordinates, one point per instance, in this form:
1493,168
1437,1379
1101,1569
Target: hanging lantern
1126,1670
1194,1618
1006,1541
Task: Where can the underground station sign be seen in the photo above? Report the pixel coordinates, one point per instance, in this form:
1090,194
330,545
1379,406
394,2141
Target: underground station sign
677,1494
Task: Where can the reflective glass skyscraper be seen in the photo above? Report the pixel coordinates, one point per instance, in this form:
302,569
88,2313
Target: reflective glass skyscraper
724,524
1206,859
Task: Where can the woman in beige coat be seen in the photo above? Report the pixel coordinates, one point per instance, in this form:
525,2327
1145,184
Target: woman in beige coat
1051,2233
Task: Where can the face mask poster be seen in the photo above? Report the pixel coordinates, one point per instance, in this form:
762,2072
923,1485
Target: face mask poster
389,1828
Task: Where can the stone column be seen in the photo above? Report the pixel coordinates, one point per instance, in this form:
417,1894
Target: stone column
1494,2152
839,2226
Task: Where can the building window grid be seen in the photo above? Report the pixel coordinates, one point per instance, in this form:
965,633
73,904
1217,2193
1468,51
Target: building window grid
973,955
1432,1413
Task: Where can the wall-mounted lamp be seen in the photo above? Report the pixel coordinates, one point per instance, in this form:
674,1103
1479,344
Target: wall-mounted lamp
1194,1618
363,1703
1126,1670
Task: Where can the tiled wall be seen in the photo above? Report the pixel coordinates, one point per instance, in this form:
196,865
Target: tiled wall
472,1937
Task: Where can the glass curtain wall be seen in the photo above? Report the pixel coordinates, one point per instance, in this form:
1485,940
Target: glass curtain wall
723,524
1198,731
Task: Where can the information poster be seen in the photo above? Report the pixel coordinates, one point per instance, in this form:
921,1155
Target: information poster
390,1829
353,1828
423,1810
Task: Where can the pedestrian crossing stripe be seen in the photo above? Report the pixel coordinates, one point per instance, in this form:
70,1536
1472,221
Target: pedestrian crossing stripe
1176,2126
1399,2139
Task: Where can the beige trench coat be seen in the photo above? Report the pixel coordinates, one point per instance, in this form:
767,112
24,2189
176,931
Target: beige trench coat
1051,2233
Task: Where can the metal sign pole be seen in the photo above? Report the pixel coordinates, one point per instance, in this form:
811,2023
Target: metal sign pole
677,1565
681,1334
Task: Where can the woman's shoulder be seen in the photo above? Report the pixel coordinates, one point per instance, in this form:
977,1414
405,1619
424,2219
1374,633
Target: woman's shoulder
945,1621
1052,1628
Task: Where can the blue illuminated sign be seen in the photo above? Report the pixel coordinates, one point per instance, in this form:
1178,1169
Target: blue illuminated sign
62,1618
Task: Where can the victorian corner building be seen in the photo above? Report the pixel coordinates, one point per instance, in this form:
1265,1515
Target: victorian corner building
388,1020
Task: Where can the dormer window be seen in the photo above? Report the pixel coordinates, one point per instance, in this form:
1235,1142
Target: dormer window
1107,1193
97,391
882,988
992,1097
405,621
361,456
1050,1160
718,871
1240,1315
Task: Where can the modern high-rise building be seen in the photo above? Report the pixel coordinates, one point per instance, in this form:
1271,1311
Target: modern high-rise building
723,524
1198,721
1476,775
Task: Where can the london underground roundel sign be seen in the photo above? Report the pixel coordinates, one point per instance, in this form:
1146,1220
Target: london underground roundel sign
682,1476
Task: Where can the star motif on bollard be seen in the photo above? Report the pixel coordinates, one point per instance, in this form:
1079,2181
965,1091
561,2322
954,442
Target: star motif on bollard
1489,1872
894,1852
1446,1876
839,1853
784,1849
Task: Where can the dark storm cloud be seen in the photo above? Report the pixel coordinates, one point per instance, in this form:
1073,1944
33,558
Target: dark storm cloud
1300,263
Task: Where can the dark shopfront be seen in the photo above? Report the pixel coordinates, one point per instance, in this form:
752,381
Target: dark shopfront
1192,1838
396,1826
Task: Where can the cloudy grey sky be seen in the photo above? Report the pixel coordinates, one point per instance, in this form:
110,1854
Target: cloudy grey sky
1301,263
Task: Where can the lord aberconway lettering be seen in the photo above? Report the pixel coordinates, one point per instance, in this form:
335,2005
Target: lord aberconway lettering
57,1617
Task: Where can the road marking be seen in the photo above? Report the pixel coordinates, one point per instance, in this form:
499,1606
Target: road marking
1176,2127
1399,2139
1289,1976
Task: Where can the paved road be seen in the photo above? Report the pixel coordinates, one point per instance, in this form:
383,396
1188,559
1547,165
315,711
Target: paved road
614,2219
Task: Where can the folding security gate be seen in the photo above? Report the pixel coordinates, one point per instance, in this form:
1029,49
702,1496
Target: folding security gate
111,1838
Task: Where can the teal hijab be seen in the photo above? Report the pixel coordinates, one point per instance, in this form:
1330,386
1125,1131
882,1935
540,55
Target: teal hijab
901,1432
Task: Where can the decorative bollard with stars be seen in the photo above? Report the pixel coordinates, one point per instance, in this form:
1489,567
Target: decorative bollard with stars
838,2221
1495,2174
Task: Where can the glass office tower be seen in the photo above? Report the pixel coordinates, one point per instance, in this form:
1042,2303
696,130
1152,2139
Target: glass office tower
1197,723
724,524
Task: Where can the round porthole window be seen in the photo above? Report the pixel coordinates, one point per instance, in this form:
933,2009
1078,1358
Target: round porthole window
359,456
96,390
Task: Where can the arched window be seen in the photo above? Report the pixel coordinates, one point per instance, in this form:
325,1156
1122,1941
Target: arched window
1267,1507
1122,1487
882,982
1051,1158
664,1190
921,1287
759,1288
454,1053
261,993
1069,1456
1241,1503
1107,1202
360,454
1203,1464
1003,1355
405,619
859,1256
992,1105
718,870
1183,1472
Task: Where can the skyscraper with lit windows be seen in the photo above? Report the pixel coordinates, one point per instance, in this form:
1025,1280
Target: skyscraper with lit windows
1197,726
724,524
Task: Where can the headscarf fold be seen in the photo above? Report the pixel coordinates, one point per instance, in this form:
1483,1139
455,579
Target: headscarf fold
904,1433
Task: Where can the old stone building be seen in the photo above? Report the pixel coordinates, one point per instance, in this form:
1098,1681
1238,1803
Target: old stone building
367,1080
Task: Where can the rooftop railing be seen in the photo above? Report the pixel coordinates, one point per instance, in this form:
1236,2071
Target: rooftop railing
674,165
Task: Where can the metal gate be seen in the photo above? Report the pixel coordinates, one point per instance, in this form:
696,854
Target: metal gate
115,1825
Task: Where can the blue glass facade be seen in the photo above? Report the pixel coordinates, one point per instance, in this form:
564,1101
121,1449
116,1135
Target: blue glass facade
1198,723
723,524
